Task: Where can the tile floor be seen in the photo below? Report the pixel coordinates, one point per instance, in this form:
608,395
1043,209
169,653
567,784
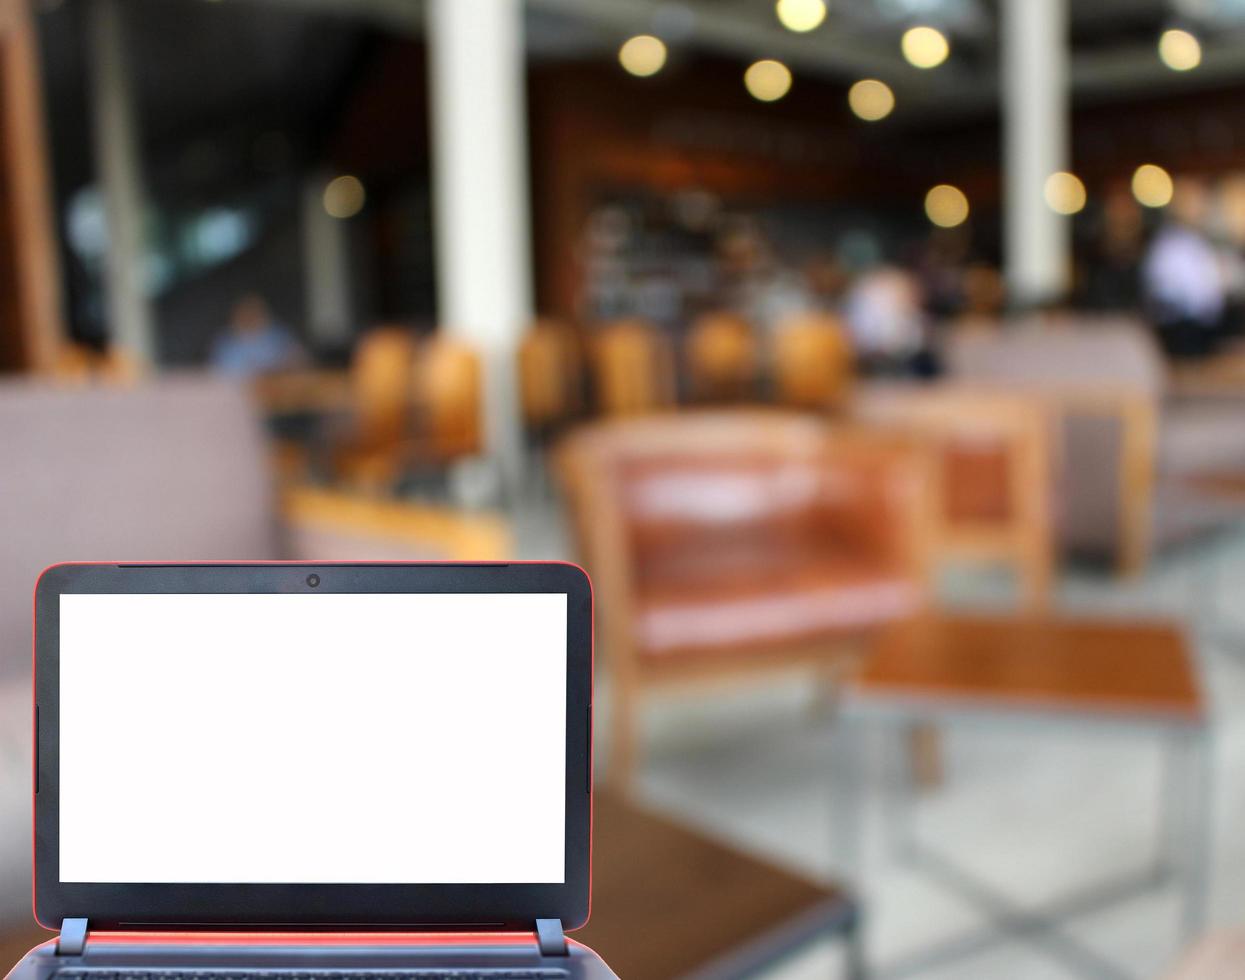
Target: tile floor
1034,812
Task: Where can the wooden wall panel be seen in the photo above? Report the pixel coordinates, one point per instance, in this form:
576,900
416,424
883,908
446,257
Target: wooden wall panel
31,323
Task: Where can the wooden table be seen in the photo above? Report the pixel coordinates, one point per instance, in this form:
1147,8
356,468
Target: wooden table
1228,486
1101,668
17,943
1220,374
1133,675
311,391
668,901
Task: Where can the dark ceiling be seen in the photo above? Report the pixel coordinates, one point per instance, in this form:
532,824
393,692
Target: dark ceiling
223,91
229,91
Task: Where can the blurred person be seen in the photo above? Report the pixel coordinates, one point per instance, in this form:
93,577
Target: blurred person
1229,221
1113,273
82,362
886,321
1183,278
256,343
757,285
983,292
940,263
827,280
778,296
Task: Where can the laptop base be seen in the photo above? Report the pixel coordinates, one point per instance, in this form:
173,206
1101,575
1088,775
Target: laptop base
127,956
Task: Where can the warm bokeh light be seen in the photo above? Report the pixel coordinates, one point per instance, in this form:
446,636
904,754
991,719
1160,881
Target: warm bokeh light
642,55
800,15
1152,185
1064,192
768,80
925,47
1180,50
870,99
946,206
344,196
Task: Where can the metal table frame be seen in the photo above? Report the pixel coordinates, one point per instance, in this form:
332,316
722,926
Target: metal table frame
1182,852
838,920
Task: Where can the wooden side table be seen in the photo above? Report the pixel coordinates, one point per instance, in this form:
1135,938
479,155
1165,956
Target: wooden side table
16,944
1137,676
669,902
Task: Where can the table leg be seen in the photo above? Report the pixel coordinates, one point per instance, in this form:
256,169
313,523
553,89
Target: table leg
847,798
900,791
1172,807
1198,826
855,966
1206,610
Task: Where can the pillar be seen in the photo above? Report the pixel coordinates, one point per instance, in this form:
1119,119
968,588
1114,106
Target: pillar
120,180
480,199
1037,241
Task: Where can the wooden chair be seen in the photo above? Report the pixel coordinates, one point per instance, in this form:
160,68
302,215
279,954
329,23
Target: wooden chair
991,501
1127,443
448,400
379,440
722,358
551,377
79,364
728,542
813,363
632,368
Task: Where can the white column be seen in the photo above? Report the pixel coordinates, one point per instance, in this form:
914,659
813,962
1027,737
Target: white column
480,197
326,270
1037,241
121,181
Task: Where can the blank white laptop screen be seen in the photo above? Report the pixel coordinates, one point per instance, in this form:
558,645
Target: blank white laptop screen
321,738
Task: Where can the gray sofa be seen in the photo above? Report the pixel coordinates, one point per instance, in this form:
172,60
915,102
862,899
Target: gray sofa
172,470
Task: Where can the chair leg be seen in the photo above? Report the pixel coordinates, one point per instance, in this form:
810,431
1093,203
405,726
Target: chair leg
829,681
925,755
827,693
623,746
1037,574
855,964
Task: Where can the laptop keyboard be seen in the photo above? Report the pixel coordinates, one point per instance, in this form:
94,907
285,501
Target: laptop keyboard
235,974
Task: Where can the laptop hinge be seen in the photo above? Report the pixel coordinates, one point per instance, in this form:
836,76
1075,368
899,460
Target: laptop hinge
550,937
73,938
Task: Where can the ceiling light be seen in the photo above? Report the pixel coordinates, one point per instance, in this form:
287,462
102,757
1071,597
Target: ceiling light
1064,192
1152,185
946,206
642,55
800,15
925,47
870,99
768,80
1180,50
344,196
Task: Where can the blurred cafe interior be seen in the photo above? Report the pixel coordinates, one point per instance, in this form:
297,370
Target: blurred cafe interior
882,361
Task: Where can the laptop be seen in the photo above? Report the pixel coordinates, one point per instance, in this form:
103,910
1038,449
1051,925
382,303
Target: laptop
291,771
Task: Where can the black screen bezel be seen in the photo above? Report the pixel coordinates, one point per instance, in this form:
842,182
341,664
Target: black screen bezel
473,904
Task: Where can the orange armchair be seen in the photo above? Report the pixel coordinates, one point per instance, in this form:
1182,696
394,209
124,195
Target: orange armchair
730,541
